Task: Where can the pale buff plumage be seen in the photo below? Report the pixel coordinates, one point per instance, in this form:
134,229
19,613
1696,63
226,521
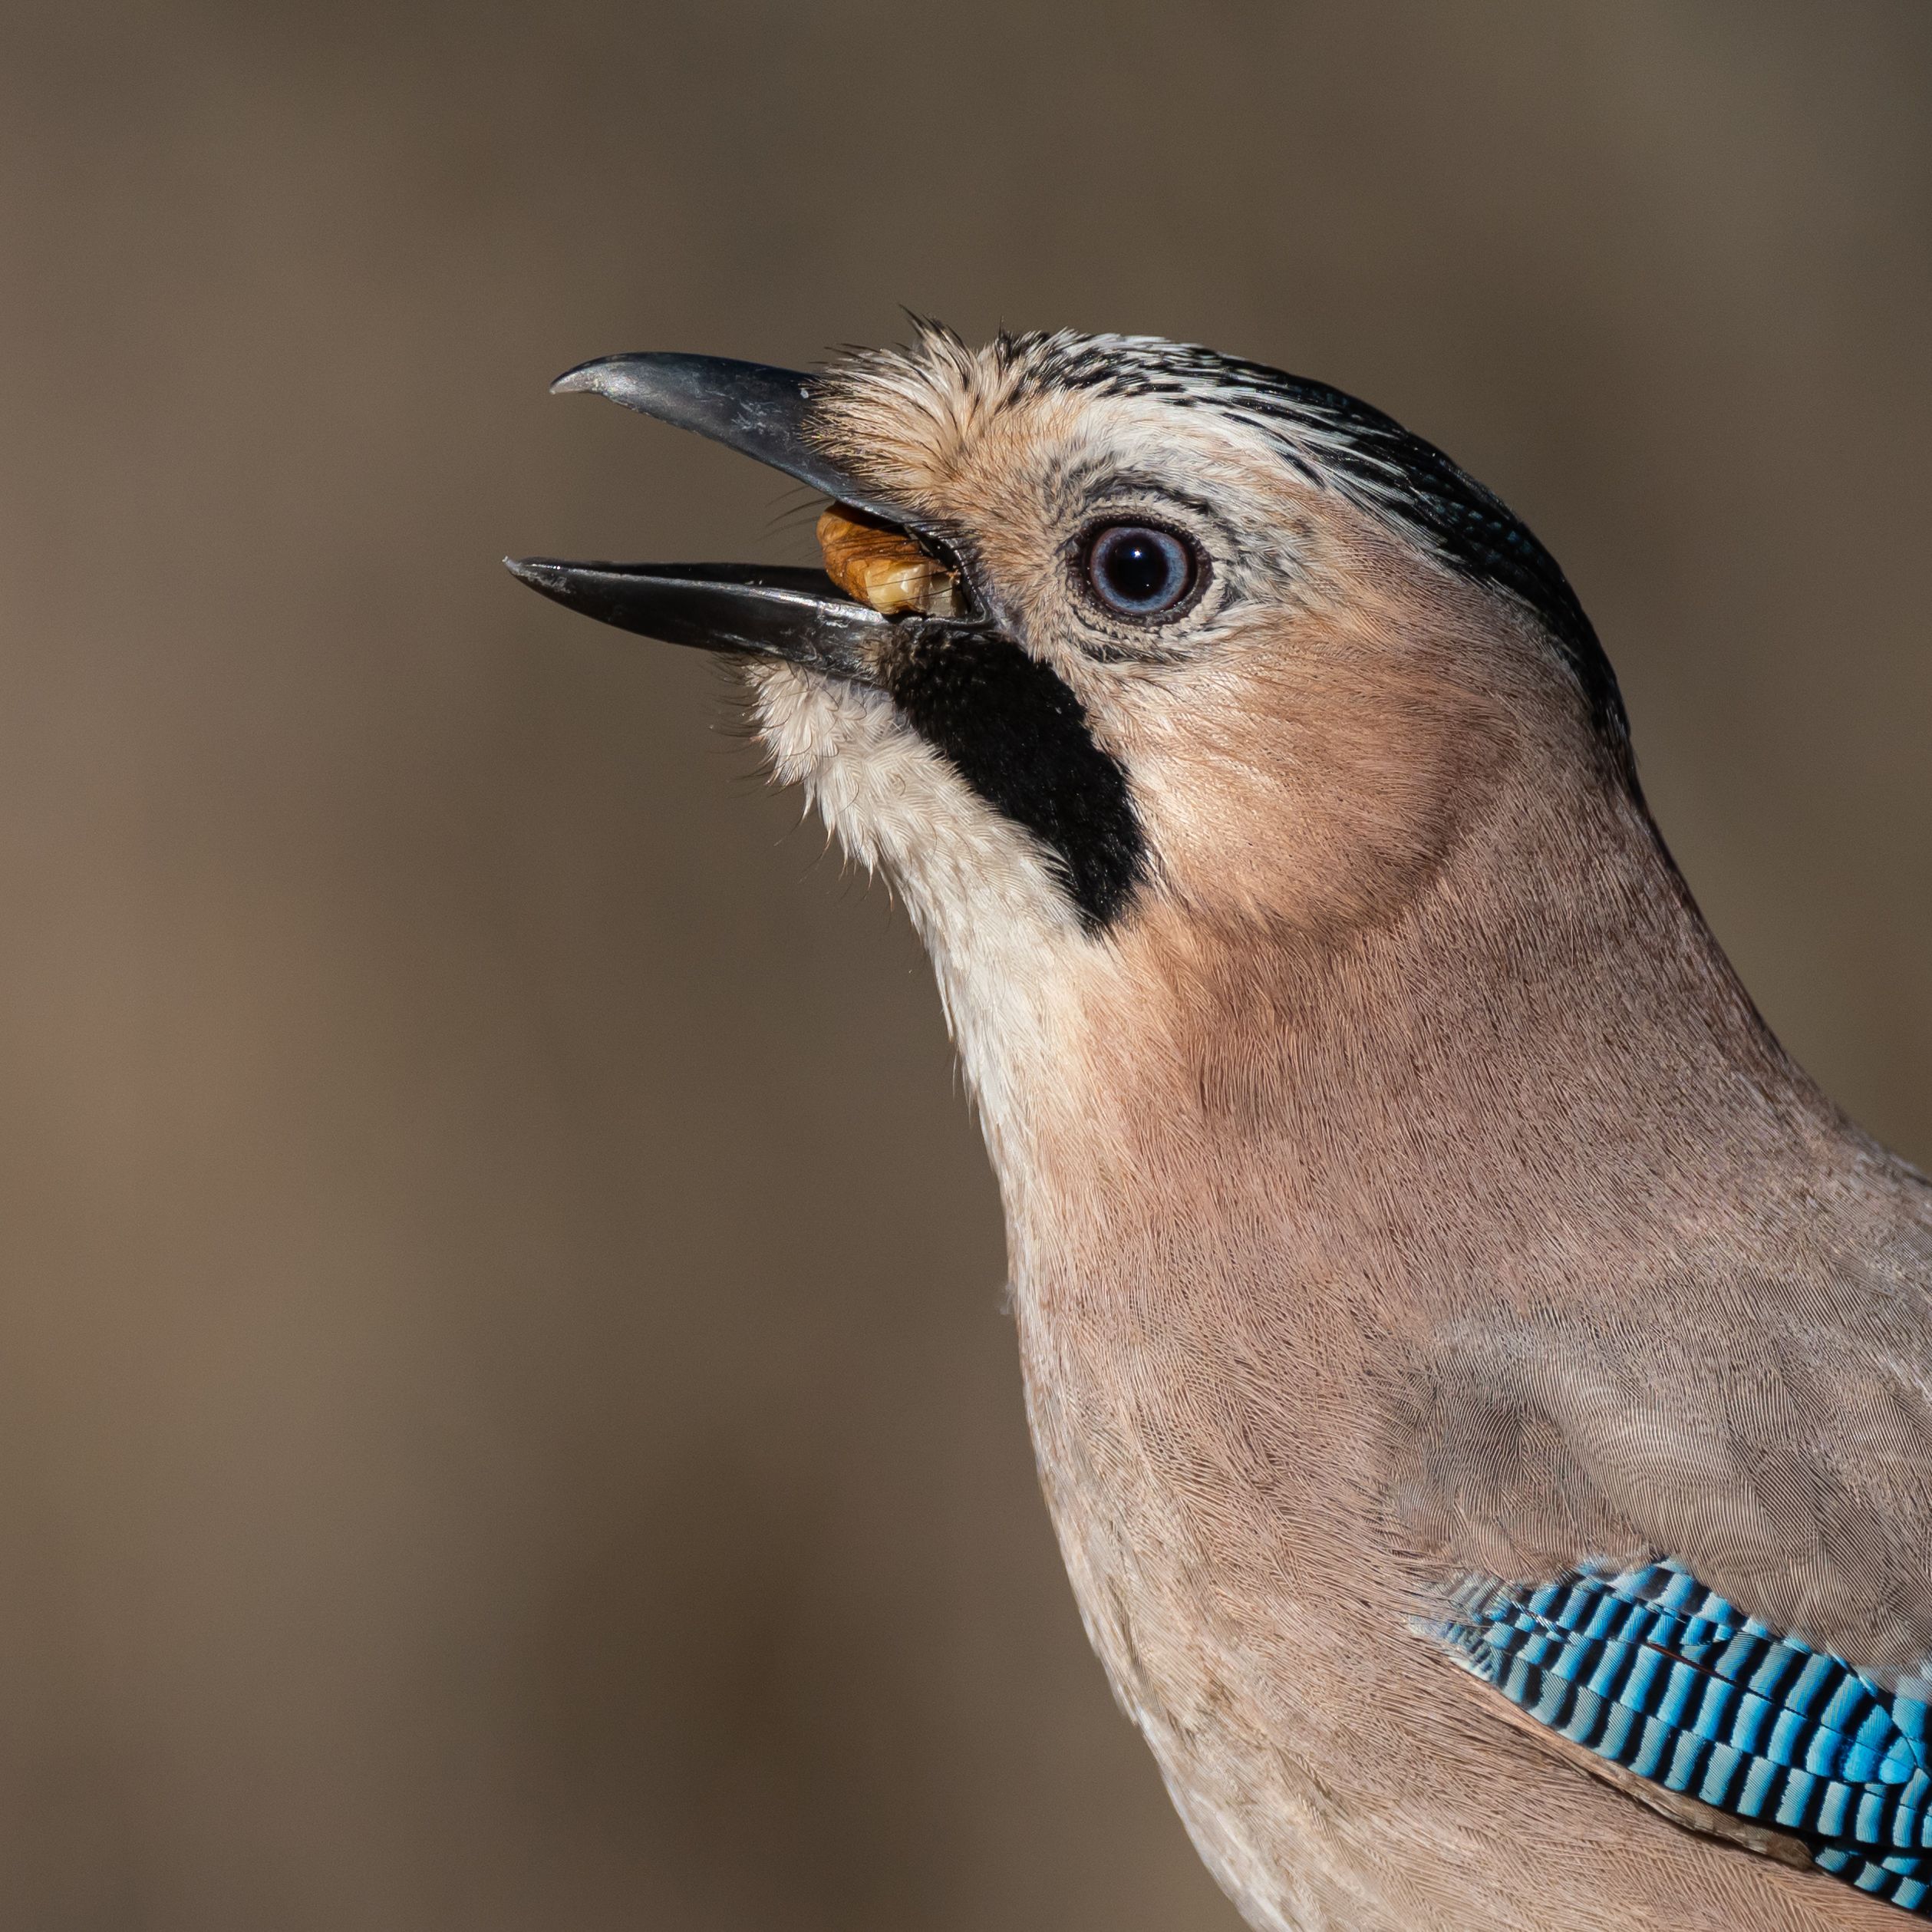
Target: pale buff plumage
1405,1186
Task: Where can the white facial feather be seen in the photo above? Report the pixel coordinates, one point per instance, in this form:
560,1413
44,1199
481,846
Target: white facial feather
1005,941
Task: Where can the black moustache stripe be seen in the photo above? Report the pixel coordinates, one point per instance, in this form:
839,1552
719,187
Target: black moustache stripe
1016,734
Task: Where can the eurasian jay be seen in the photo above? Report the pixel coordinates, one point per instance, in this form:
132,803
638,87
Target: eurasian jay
1482,1388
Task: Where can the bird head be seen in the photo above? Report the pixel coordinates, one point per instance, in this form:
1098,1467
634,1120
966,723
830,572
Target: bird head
1136,664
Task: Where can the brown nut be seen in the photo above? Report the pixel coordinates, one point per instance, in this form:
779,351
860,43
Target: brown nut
883,567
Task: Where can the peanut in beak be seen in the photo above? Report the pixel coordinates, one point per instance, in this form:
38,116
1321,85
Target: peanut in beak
883,567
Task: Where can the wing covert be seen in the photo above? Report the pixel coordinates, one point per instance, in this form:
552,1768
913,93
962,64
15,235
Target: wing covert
1651,1671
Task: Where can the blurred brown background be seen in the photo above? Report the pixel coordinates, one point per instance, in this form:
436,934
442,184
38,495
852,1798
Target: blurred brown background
506,1418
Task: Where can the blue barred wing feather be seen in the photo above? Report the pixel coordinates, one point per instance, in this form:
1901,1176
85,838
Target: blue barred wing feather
1653,1672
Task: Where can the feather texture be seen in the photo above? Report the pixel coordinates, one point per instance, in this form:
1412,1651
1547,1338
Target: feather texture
1654,1672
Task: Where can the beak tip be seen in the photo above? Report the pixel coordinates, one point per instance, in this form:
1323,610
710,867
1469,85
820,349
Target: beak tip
585,377
539,572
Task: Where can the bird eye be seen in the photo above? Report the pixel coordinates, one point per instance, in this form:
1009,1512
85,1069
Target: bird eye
1138,571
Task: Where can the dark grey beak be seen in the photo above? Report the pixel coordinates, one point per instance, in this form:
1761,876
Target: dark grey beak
749,407
749,609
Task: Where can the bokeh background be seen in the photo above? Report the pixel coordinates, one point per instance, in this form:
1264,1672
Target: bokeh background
507,1419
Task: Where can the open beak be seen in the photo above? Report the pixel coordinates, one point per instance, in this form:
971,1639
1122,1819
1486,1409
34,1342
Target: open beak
755,610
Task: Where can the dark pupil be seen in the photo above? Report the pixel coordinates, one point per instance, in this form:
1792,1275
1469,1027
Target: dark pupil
1138,570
